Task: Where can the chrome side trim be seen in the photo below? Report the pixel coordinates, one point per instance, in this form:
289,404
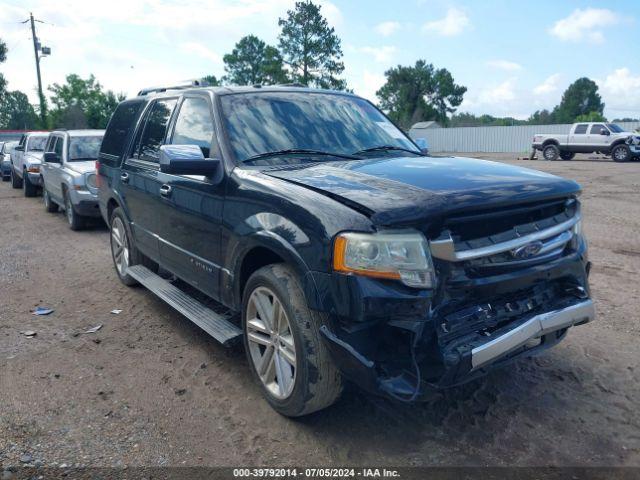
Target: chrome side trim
538,326
445,249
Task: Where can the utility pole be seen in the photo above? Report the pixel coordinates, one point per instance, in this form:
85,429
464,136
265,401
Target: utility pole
45,51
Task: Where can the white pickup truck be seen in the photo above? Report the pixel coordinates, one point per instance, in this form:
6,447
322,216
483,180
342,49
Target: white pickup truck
597,137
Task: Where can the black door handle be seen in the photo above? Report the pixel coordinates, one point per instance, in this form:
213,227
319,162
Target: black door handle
165,190
124,176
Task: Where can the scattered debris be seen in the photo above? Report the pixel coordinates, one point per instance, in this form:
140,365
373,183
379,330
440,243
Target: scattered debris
116,311
203,365
94,329
42,311
180,391
91,330
26,458
97,341
29,333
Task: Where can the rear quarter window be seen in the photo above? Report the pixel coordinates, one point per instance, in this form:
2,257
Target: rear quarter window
121,126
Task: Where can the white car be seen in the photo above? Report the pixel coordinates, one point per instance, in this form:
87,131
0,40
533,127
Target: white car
588,137
26,160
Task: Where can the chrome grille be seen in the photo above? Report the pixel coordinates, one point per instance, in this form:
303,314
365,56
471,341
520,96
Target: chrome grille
543,238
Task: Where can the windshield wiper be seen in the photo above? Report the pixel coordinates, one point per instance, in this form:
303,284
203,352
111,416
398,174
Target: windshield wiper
387,148
301,151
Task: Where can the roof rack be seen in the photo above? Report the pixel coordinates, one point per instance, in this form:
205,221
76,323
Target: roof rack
179,86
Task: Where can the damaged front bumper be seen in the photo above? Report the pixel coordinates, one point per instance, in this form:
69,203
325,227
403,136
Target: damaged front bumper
527,336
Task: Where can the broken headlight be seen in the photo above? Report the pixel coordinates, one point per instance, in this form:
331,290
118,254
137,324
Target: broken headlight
402,255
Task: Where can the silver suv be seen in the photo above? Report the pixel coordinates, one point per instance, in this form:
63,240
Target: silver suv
68,174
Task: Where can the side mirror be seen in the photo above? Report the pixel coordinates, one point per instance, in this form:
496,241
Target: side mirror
604,131
51,157
187,160
423,145
19,148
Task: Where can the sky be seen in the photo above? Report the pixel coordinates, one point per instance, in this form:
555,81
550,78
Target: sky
514,57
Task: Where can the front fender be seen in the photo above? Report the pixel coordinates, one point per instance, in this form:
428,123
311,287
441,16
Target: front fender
272,232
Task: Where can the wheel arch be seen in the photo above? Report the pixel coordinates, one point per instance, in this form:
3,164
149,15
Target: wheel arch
550,141
264,248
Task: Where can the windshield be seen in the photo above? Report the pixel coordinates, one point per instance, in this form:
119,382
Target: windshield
36,144
615,128
84,148
273,121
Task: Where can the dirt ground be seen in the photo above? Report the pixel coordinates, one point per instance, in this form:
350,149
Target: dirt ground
152,389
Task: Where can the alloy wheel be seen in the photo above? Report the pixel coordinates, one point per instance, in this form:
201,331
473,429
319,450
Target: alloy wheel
271,342
68,209
119,246
620,154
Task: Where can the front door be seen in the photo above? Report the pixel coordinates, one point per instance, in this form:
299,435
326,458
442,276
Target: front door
190,225
596,138
140,185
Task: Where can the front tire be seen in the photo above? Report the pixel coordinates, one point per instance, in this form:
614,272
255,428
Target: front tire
16,182
49,205
76,222
621,153
551,152
282,341
30,190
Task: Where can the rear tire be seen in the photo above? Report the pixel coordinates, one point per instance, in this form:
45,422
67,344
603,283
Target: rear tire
567,155
120,236
16,182
621,153
299,376
49,205
551,152
30,190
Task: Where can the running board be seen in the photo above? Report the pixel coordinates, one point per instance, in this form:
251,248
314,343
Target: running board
215,324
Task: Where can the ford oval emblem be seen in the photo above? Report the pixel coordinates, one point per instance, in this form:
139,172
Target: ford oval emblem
527,251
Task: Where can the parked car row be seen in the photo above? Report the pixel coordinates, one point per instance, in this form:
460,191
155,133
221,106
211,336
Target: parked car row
61,166
334,247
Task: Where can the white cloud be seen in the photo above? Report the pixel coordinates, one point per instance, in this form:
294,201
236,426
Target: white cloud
380,54
202,51
504,65
550,85
621,92
585,25
369,83
387,29
454,23
501,93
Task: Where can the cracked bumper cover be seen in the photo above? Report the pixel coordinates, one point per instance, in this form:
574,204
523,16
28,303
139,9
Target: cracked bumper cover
547,329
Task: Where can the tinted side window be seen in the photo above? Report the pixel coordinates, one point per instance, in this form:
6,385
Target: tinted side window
581,129
595,129
155,129
194,125
58,147
50,143
120,127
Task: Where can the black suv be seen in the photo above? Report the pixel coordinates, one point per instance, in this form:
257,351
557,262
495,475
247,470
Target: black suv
307,224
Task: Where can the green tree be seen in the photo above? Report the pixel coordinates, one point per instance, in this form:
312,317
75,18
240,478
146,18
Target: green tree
212,80
78,96
16,113
253,62
542,117
580,98
310,47
3,58
591,117
419,93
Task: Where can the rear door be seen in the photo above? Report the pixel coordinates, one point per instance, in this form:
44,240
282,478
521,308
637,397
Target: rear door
578,139
190,226
140,185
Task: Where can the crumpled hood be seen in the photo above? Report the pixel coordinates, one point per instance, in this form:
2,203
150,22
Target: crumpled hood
405,189
82,167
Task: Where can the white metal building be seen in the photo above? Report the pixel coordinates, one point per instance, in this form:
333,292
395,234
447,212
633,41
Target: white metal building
490,139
